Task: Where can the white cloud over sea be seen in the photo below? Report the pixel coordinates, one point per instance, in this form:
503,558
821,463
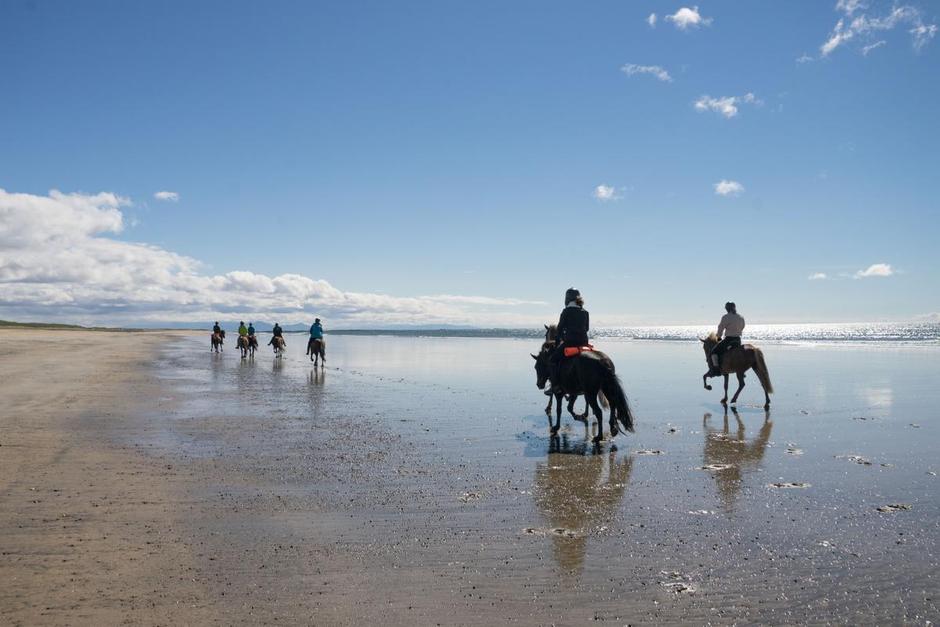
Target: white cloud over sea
875,270
166,195
60,261
725,187
632,69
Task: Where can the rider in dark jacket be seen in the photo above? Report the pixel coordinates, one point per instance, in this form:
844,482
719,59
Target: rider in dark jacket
573,326
276,332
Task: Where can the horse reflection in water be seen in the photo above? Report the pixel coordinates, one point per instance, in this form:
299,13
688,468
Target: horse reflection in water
730,456
577,492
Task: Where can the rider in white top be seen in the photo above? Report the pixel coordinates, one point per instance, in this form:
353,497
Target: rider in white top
732,326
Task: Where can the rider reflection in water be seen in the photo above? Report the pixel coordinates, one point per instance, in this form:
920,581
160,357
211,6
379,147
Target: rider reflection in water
732,325
573,325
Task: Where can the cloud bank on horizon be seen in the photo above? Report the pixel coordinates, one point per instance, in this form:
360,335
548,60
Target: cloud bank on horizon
57,262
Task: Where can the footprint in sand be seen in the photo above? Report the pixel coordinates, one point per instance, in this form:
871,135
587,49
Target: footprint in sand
648,452
785,485
676,582
858,459
716,467
894,507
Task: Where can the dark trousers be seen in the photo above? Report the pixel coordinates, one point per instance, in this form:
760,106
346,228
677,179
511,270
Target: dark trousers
724,346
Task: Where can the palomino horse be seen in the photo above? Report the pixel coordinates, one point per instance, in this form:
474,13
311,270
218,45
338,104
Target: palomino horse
244,345
316,348
589,373
739,360
216,342
279,345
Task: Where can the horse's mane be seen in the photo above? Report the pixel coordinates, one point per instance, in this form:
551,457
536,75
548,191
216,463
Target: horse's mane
712,337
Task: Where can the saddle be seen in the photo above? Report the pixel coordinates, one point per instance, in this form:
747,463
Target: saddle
573,351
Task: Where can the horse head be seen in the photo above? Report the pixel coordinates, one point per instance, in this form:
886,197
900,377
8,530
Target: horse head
551,332
708,343
542,367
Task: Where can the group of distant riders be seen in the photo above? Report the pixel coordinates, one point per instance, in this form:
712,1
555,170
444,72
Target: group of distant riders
277,336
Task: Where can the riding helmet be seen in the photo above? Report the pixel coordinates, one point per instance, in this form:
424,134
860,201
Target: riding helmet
571,295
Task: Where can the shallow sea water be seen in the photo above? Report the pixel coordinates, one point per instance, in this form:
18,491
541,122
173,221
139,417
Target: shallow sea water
421,472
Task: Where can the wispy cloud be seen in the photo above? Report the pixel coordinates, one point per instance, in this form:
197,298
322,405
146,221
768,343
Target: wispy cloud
804,58
606,193
632,69
164,195
686,18
875,270
726,105
651,20
818,276
60,262
856,23
728,188
873,46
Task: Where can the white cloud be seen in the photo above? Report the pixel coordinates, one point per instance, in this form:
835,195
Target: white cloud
686,18
171,196
606,193
728,188
651,20
857,24
632,69
875,270
873,46
58,262
922,33
726,105
804,58
818,276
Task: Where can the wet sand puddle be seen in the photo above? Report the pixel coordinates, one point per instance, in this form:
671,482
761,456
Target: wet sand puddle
408,466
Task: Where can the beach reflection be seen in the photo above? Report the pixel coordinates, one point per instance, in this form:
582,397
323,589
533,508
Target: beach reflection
576,492
731,455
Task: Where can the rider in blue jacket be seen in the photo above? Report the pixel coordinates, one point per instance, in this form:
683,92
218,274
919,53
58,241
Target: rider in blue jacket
316,330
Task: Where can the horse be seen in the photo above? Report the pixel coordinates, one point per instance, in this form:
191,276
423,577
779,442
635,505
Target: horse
738,360
551,331
279,345
316,347
588,373
252,345
215,342
243,345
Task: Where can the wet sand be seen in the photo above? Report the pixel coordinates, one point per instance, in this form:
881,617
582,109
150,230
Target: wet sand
414,482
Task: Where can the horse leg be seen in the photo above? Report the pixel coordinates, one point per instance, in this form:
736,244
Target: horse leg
724,400
598,413
548,410
557,426
705,382
734,399
579,418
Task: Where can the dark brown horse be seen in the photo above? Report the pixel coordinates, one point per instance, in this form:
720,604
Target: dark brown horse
279,345
739,360
589,373
252,345
316,348
551,331
215,342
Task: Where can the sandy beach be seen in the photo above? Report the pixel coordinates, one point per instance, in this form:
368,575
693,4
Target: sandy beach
147,481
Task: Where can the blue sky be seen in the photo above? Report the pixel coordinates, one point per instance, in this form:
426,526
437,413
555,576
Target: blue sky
440,161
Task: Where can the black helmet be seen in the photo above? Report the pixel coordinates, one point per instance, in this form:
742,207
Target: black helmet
729,307
317,320
571,294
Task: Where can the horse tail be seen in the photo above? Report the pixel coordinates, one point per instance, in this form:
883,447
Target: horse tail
760,367
613,390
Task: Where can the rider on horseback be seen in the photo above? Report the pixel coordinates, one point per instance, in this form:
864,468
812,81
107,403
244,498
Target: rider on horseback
275,333
316,330
217,330
732,325
572,331
251,331
242,330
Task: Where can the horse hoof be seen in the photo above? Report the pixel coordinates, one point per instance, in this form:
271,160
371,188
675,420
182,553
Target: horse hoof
597,439
708,387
